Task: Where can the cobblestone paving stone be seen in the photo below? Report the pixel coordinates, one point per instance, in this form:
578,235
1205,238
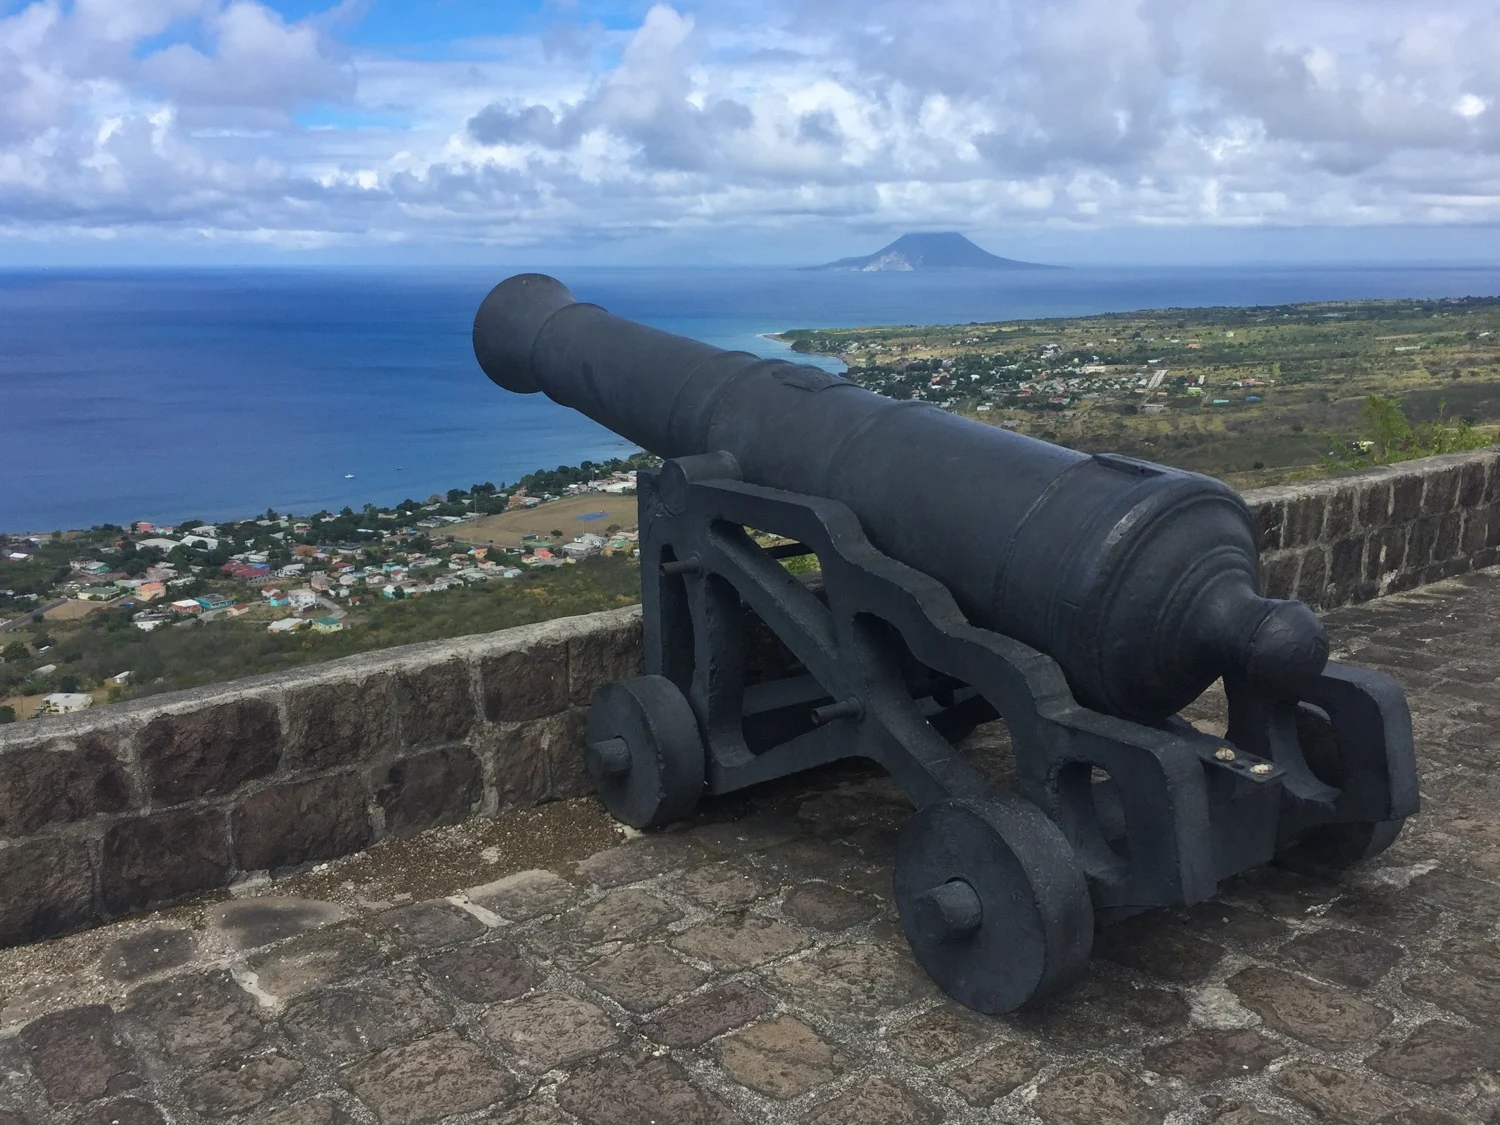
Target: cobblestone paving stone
748,967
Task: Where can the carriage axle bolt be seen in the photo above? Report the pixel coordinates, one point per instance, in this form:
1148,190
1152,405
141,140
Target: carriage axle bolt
1224,754
843,709
610,757
949,911
1261,768
678,567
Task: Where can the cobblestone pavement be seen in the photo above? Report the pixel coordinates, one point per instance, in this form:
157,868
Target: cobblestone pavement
748,967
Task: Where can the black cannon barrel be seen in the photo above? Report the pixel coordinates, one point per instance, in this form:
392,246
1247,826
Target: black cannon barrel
1141,581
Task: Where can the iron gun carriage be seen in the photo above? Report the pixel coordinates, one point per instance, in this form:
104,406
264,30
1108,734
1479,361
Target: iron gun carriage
968,573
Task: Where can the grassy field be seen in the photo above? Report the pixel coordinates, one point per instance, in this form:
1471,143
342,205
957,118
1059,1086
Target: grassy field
1255,395
563,515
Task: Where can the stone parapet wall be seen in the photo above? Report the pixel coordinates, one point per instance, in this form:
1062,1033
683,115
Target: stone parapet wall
116,810
1348,539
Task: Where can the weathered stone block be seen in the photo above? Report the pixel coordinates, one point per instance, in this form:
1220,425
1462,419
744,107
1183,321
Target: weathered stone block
198,1018
315,959
483,974
48,889
858,981
1214,1055
425,790
627,1091
77,1057
735,943
1328,1018
604,656
238,1085
1374,504
287,825
720,886
429,925
435,704
1346,562
877,1099
1476,523
1304,521
162,857
341,723
61,781
822,906
940,1035
1492,483
1386,551
1312,577
525,895
781,1057
1340,518
567,770
1445,546
317,1111
529,684
708,1015
1278,574
642,978
377,1013
1471,484
215,750
1345,957
992,1076
1492,536
1437,1052
1406,498
517,758
1152,944
126,1111
1269,516
550,1029
620,915
1338,1095
422,1082
1419,544
1097,1092
1441,493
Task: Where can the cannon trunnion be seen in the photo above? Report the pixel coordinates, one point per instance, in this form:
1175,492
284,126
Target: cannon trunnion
1111,594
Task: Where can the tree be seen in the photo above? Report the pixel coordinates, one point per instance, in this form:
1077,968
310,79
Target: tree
1387,425
14,651
68,684
7,714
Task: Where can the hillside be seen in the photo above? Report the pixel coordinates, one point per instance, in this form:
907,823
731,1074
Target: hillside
948,250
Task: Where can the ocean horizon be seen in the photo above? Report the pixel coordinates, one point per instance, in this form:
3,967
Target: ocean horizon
166,394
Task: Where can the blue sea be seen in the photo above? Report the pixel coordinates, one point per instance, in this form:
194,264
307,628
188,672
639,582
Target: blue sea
162,395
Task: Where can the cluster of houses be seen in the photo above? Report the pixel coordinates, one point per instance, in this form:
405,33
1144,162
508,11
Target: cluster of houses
616,484
169,592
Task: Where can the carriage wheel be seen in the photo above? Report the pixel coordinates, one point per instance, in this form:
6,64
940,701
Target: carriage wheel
993,901
1331,848
644,751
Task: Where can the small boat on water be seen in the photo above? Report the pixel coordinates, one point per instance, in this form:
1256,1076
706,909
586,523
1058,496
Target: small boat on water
348,476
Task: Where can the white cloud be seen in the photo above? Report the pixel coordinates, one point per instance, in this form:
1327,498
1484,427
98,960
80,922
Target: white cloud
872,114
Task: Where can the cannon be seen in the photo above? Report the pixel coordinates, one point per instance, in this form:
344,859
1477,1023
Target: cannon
968,573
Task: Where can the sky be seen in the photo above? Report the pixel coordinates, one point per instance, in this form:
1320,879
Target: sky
746,131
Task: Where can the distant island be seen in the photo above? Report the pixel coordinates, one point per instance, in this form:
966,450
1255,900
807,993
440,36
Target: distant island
947,250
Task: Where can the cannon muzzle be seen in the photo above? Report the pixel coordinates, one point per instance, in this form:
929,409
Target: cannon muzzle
1141,581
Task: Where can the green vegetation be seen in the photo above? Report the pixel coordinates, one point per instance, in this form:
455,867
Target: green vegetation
1253,395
